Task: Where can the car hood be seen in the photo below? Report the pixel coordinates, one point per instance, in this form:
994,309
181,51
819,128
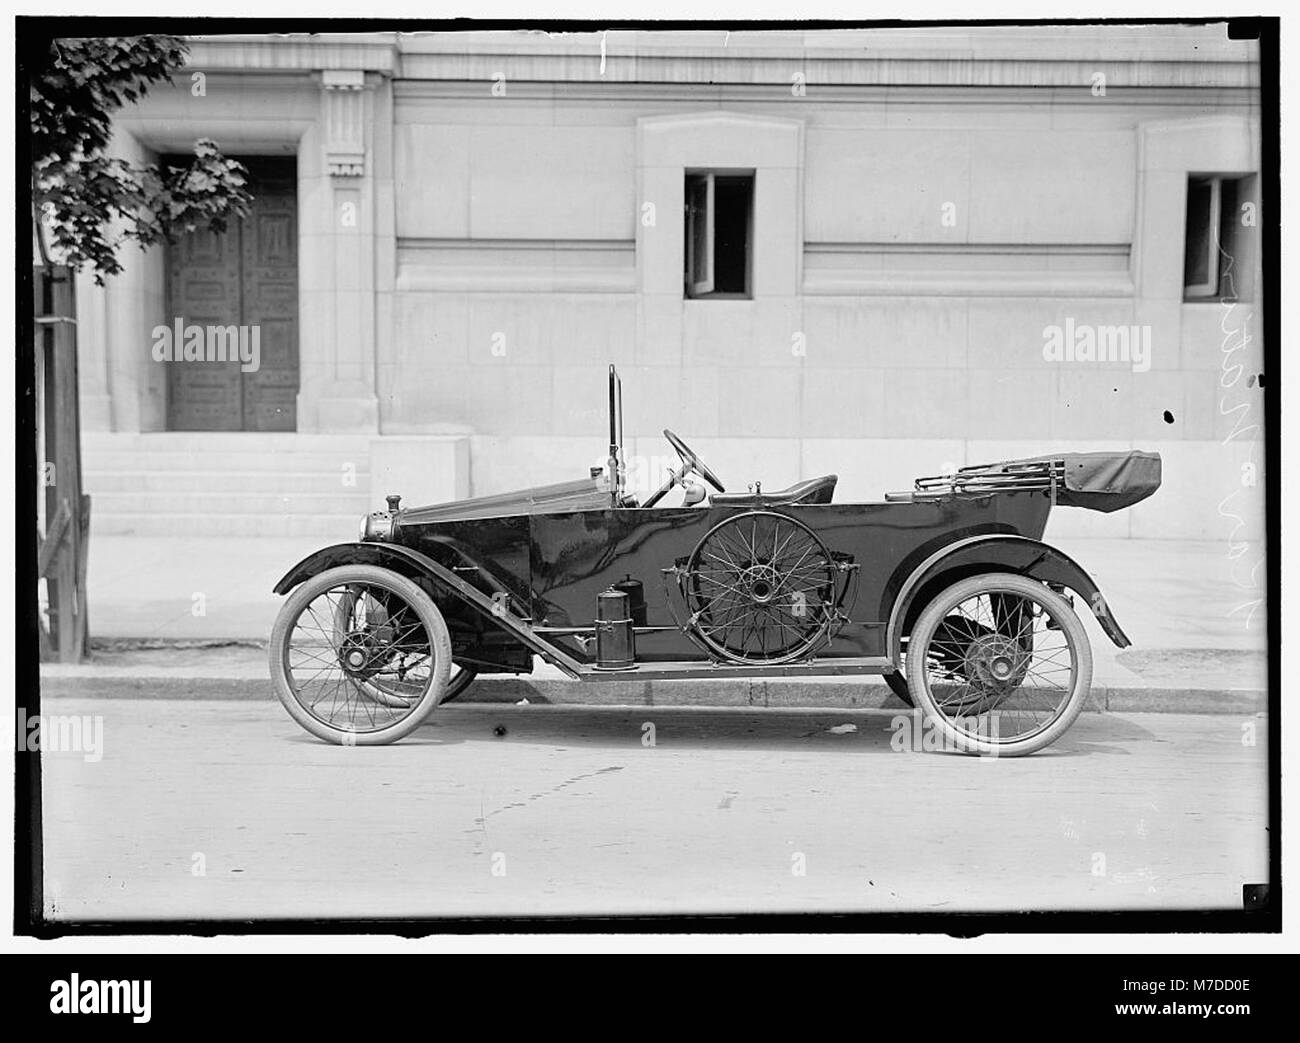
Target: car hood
582,495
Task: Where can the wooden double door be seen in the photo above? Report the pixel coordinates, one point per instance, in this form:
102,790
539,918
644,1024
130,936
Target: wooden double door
246,277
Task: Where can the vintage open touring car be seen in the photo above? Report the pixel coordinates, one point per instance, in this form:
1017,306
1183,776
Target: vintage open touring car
947,590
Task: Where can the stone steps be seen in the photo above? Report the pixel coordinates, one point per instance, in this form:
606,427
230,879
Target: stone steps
227,484
334,528
266,481
176,502
270,459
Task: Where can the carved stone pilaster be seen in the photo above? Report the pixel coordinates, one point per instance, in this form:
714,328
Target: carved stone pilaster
344,99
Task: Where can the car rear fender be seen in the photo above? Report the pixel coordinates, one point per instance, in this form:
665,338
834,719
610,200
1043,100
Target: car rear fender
494,606
995,553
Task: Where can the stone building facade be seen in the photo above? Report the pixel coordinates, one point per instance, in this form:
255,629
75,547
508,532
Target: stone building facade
879,253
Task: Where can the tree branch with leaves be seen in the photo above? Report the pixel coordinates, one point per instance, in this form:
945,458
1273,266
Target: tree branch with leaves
90,202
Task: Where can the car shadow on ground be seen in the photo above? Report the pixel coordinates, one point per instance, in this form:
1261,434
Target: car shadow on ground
1104,733
855,731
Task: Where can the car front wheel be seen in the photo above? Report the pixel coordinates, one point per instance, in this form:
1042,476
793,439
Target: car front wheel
360,655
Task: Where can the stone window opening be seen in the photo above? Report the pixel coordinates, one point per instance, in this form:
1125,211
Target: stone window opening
719,234
1215,248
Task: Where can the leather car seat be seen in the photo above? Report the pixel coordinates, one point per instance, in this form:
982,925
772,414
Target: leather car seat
814,490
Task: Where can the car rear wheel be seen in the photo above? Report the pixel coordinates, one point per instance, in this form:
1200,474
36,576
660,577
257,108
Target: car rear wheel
1000,665
953,627
360,655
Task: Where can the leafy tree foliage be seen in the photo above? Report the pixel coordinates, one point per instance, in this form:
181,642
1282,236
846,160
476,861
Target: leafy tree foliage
92,202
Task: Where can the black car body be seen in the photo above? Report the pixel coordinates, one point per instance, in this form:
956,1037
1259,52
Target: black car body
787,583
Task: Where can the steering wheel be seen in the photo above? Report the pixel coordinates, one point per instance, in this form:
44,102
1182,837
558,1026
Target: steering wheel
692,462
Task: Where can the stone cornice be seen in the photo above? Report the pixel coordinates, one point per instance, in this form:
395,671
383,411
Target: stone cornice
413,91
818,71
294,53
979,56
1116,44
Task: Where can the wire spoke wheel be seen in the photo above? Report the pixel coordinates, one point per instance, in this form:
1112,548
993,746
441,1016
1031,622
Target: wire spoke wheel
394,688
1000,664
398,683
360,655
760,588
950,631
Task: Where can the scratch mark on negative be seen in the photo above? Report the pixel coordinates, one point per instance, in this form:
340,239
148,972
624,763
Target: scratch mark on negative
545,793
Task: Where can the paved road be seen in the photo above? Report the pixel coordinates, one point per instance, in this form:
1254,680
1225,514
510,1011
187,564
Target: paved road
571,812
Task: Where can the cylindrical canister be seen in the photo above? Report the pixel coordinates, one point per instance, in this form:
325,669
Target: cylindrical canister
615,640
635,599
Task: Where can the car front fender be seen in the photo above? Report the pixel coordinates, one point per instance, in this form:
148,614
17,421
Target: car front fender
402,560
495,607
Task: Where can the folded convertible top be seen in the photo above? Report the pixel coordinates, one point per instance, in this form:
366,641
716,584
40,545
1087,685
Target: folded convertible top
1098,481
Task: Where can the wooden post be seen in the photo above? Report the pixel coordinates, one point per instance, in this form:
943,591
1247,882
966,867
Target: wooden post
64,544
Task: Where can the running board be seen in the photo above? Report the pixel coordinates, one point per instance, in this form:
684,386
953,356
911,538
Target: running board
687,669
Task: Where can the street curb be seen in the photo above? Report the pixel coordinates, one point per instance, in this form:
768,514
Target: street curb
802,694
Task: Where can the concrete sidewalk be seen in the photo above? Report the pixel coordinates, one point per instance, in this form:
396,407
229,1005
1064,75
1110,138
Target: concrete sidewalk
1201,682
192,616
